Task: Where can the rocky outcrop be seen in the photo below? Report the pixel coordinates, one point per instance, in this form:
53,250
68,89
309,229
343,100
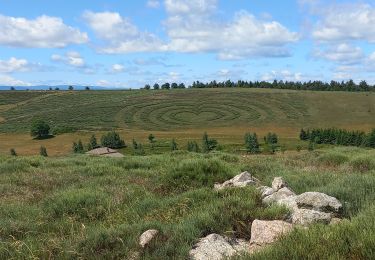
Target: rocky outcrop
148,236
216,247
242,180
307,208
267,232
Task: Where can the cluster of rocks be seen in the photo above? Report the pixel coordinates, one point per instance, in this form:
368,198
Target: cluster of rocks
305,209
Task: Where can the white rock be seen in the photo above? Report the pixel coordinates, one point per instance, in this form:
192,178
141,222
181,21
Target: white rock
319,201
281,194
307,217
242,180
278,183
216,247
147,237
267,232
265,191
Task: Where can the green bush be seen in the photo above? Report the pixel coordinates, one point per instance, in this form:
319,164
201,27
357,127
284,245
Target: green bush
197,173
112,140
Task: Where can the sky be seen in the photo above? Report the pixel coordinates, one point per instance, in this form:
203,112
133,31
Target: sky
124,43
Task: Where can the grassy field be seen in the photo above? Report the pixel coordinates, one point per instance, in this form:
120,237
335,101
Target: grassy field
80,207
226,114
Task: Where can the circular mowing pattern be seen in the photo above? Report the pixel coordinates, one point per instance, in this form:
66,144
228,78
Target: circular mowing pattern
175,112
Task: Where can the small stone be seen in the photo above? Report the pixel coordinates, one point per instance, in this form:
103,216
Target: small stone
147,237
278,183
242,180
265,191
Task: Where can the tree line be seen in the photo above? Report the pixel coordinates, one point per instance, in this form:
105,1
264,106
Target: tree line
317,85
338,137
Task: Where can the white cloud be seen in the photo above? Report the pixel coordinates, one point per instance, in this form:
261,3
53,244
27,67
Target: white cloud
191,26
285,75
190,6
14,65
342,53
117,68
71,58
7,80
42,32
346,22
121,35
153,4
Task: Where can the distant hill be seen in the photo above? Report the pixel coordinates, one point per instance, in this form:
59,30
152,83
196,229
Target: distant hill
186,109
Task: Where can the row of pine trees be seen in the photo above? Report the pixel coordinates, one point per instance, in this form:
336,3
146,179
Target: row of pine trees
339,137
349,85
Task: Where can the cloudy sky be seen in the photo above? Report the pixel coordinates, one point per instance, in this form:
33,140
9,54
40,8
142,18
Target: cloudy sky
126,43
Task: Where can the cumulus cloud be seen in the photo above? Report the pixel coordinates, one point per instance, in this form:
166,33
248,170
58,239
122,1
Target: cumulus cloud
120,34
346,22
71,58
42,32
153,4
342,53
14,65
7,80
117,68
191,27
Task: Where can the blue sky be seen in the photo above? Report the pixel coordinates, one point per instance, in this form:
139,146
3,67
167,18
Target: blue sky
130,43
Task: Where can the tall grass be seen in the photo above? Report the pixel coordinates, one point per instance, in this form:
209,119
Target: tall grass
87,207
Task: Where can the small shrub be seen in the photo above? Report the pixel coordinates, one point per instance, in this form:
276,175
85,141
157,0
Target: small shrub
363,163
197,173
43,151
13,152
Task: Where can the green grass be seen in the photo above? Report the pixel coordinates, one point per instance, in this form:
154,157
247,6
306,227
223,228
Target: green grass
188,109
87,207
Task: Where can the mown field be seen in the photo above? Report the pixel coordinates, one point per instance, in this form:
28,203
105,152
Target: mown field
80,207
226,114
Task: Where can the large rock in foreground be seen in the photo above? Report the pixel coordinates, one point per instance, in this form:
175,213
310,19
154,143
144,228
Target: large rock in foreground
319,201
242,180
267,232
216,247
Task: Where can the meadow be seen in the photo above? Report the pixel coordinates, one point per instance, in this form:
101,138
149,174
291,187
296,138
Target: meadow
80,207
183,114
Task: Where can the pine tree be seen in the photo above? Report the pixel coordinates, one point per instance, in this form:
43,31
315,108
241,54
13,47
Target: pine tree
135,144
80,147
43,151
93,143
251,143
174,146
151,139
13,152
192,146
208,144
